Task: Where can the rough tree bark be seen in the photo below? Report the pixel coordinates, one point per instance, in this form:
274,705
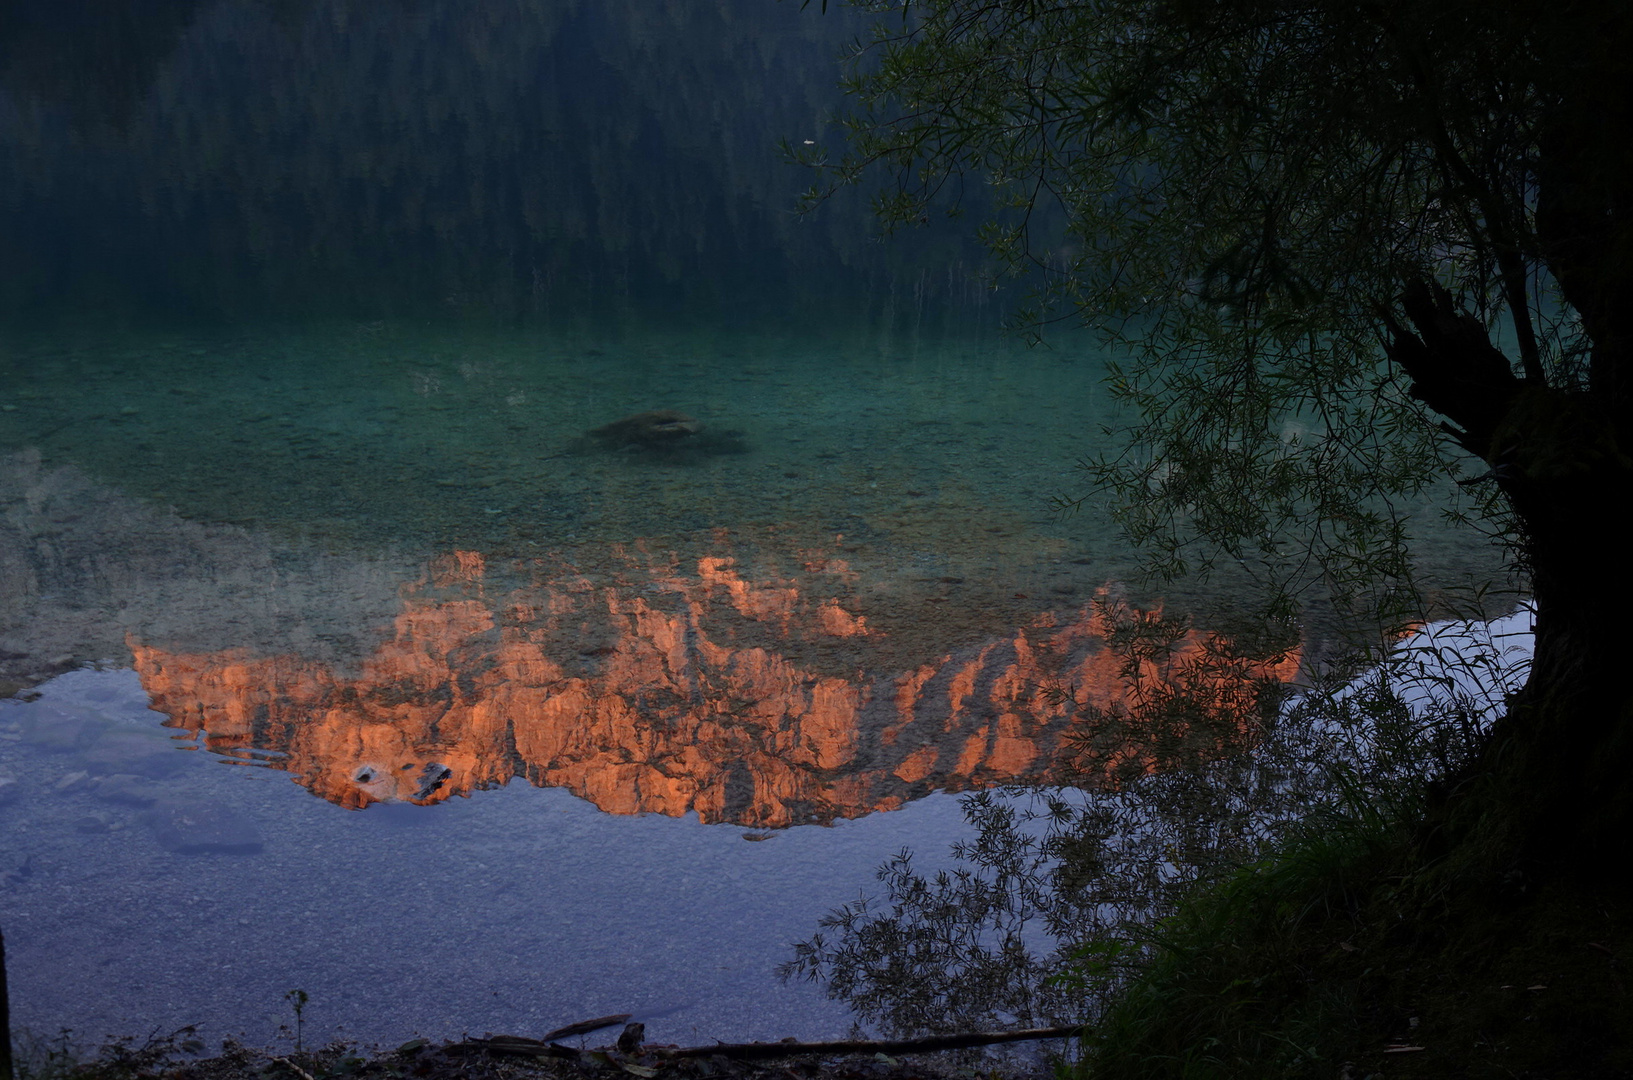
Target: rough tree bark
1555,786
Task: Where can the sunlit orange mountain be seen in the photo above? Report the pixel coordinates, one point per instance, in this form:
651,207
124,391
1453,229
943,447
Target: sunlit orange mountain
678,687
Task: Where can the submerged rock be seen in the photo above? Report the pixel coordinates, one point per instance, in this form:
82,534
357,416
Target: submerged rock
54,729
196,827
140,753
93,823
645,430
17,873
664,434
128,789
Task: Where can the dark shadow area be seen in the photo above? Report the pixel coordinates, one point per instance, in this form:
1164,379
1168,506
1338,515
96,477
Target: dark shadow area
171,161
95,58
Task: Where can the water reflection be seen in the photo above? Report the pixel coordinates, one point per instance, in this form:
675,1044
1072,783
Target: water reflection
518,159
673,686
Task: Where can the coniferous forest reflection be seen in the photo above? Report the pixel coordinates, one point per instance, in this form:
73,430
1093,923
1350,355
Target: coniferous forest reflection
530,159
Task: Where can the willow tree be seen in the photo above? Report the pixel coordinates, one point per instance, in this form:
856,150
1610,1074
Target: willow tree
1345,252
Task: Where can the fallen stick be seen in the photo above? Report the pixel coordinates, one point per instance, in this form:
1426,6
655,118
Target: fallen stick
516,1046
521,1046
923,1045
584,1027
300,1072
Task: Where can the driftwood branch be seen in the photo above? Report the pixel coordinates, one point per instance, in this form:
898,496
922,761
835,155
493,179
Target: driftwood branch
584,1027
515,1045
292,1067
923,1045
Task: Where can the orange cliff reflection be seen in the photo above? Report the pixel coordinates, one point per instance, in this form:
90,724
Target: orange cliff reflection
666,691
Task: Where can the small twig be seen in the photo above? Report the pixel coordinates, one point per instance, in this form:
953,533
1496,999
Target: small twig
516,1046
584,1027
302,1073
524,1047
924,1045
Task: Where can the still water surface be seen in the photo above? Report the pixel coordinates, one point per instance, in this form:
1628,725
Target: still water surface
374,663
392,568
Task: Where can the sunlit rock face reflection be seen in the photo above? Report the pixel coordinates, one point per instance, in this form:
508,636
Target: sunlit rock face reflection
671,686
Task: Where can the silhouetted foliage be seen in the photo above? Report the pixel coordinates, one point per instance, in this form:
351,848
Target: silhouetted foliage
1345,253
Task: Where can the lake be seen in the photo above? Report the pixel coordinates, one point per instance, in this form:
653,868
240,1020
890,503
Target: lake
470,552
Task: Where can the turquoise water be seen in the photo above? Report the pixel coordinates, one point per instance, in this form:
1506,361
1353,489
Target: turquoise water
916,461
374,434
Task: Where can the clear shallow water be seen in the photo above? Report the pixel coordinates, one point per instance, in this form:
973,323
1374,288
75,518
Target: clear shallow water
386,564
883,480
374,434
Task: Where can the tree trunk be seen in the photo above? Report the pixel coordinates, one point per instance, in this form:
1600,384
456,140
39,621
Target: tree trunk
1554,790
1562,760
1557,777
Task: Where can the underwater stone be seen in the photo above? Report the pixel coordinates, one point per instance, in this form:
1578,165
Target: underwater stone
50,728
196,827
659,427
134,752
662,434
18,873
127,789
92,823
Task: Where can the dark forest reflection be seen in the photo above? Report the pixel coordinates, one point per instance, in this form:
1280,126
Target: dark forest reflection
95,58
526,159
686,686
